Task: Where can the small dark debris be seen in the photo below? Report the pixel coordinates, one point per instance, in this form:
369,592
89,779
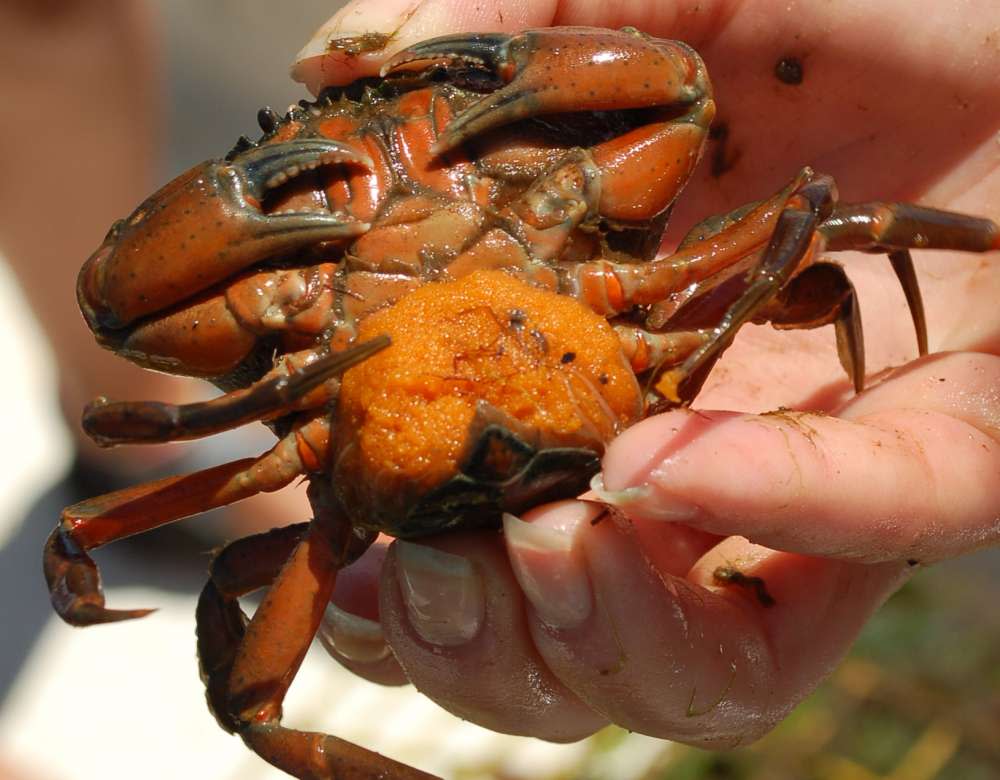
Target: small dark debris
728,575
788,70
355,45
912,562
603,379
568,357
605,512
724,158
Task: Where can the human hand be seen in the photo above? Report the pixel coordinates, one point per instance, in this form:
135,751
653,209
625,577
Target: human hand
563,625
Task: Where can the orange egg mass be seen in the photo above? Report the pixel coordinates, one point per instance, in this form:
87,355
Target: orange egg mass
541,360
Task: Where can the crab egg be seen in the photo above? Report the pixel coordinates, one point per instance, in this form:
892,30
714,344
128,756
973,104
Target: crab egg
486,351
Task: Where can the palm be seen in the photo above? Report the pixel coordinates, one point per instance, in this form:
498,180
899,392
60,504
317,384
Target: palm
877,110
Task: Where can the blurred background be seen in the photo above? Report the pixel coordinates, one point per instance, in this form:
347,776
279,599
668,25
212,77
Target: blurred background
95,116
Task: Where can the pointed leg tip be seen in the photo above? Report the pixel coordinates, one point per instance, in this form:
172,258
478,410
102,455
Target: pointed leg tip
91,614
119,615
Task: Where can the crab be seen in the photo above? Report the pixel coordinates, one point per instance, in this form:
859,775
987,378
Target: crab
441,290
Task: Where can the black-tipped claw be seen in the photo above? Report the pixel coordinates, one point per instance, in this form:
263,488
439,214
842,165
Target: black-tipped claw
484,50
265,167
75,584
494,52
269,166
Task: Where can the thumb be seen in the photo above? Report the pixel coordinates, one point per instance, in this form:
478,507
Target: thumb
363,34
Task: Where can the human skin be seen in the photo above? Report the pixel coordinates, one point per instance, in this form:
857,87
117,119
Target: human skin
565,622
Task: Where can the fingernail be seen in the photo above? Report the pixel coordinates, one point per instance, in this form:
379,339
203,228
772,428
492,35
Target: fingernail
551,574
443,594
644,501
352,636
616,497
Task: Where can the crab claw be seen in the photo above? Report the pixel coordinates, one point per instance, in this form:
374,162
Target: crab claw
559,69
205,226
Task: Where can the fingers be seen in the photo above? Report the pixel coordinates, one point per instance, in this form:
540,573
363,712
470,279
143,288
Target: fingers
679,656
910,470
351,631
362,35
609,620
452,611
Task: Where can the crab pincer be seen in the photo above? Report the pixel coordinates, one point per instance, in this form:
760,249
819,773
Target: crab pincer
205,226
567,69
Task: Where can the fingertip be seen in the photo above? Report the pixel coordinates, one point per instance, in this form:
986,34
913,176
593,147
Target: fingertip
549,564
635,458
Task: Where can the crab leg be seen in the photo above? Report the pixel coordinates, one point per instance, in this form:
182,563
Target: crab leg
793,245
902,265
240,568
614,288
133,422
249,667
721,248
645,349
879,227
895,228
823,295
72,576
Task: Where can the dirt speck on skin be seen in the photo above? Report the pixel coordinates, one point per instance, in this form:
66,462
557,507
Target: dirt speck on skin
789,70
797,420
356,45
730,575
724,156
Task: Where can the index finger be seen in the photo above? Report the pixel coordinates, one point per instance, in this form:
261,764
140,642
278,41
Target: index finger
363,34
909,470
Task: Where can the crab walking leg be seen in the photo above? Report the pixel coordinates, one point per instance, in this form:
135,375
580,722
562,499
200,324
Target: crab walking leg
902,265
822,295
134,422
719,248
879,227
794,244
253,665
614,288
240,568
645,349
73,577
895,228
